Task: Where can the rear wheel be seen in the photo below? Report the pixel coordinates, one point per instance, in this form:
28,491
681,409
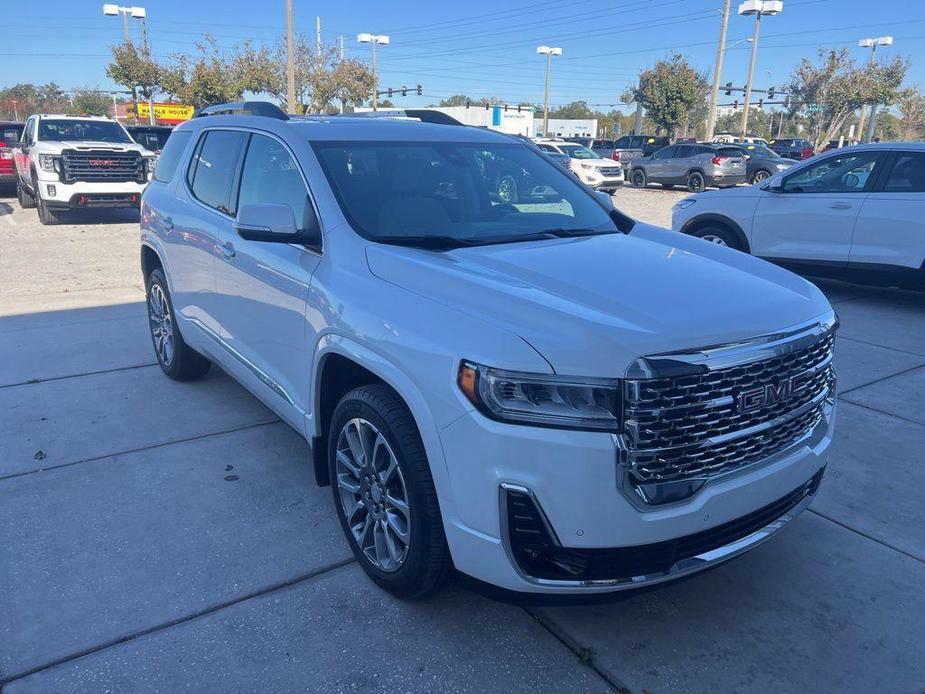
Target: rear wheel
47,215
384,493
759,176
695,182
639,178
178,360
24,196
721,236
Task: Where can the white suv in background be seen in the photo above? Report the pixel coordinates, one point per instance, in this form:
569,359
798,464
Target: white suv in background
76,162
855,214
591,168
548,396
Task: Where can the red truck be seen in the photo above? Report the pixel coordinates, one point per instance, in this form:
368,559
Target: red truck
10,132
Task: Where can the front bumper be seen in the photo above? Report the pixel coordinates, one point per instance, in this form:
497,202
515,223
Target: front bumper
575,479
80,194
601,182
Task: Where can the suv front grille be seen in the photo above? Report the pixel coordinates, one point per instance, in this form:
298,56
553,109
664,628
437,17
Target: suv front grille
100,166
695,427
611,170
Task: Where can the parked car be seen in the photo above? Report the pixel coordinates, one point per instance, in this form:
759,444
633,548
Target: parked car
630,147
151,137
762,163
10,132
507,390
838,144
793,148
70,162
592,169
694,166
851,213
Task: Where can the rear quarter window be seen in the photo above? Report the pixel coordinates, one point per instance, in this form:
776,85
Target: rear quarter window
729,152
169,160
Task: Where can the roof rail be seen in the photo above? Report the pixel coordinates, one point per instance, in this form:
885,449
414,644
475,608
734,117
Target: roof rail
243,108
425,115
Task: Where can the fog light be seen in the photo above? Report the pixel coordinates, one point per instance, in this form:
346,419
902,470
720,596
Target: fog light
52,191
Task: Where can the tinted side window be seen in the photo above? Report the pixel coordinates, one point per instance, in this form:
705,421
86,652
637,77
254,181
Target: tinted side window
170,158
683,152
622,143
603,144
270,175
844,173
908,174
212,169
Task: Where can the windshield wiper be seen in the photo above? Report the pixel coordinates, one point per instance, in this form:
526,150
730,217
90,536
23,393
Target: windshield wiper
571,233
430,242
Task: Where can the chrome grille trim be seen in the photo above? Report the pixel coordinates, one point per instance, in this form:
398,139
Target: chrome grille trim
685,424
123,166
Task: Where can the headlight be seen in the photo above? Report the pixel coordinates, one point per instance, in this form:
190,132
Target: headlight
149,164
47,162
543,399
685,203
783,166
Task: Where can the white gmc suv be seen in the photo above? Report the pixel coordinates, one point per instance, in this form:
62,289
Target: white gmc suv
74,162
546,395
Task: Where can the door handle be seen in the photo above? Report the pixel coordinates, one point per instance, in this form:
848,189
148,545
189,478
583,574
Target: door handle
227,250
840,206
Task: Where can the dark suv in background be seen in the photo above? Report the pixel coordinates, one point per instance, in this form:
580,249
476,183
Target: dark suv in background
630,147
793,148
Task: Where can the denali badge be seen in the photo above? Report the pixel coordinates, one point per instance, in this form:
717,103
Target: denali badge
760,396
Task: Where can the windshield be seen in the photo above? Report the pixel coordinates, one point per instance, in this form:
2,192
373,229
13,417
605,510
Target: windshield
94,130
150,138
424,193
579,152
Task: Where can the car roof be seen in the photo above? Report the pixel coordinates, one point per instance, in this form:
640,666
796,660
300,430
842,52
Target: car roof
347,128
71,116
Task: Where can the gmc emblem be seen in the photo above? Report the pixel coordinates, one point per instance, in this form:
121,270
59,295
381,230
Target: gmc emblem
768,394
101,162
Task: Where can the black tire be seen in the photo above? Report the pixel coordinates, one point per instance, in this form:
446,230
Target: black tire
696,182
638,178
183,363
25,198
47,216
427,562
719,235
759,176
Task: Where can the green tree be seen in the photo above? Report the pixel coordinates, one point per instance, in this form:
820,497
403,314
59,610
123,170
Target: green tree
135,69
574,110
829,94
911,107
672,92
92,102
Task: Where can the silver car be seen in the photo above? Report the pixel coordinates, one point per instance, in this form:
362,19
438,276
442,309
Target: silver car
695,166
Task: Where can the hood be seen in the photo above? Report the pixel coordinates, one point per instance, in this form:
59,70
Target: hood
599,163
593,305
91,144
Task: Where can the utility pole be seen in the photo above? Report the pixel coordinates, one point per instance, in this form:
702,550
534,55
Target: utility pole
144,38
373,40
125,26
759,8
340,45
872,45
718,72
549,52
318,35
290,61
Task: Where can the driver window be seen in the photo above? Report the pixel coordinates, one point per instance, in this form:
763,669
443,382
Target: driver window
270,175
666,153
845,173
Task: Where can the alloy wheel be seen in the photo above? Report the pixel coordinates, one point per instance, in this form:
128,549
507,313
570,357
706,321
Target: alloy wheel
161,324
759,176
695,183
507,189
372,494
713,238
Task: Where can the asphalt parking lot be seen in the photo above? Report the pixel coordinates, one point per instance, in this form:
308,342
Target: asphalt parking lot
165,537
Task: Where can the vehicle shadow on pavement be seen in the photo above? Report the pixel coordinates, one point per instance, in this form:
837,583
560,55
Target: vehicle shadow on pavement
119,215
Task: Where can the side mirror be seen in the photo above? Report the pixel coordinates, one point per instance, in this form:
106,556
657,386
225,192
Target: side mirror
605,199
775,187
273,222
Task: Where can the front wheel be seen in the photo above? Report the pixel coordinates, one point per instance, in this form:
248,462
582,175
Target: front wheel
47,216
384,493
695,182
639,178
718,235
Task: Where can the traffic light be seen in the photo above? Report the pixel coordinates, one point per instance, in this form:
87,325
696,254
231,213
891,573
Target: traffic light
420,90
770,93
760,103
728,88
390,92
735,104
404,90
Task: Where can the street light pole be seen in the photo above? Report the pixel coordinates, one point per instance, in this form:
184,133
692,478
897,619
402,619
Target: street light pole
717,72
757,8
549,52
111,10
872,45
290,61
373,40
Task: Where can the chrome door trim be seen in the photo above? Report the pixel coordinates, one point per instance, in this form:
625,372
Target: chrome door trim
261,375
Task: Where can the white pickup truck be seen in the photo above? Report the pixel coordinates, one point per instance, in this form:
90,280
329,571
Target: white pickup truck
71,162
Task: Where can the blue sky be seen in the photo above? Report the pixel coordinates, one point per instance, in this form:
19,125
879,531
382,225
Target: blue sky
480,47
